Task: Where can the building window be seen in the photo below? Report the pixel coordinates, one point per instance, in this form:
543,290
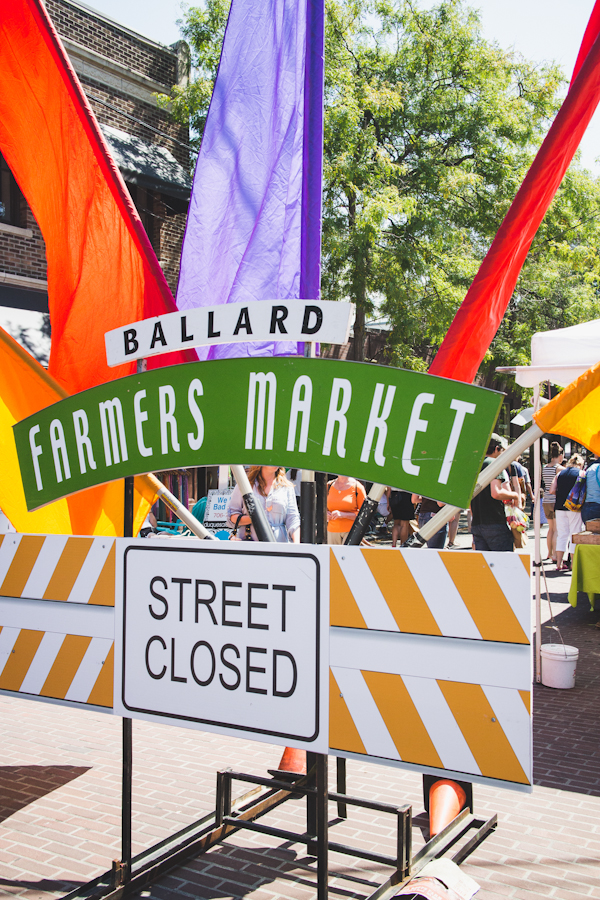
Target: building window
144,203
12,205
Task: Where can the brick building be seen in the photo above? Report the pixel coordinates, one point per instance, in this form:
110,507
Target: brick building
121,72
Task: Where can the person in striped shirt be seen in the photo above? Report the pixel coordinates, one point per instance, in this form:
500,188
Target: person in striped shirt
549,473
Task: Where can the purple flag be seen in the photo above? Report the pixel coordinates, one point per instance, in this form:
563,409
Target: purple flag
254,225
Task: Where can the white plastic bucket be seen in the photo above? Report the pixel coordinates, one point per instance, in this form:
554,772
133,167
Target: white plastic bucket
559,663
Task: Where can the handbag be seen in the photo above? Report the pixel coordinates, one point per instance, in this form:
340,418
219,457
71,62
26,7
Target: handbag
519,538
234,533
517,521
576,497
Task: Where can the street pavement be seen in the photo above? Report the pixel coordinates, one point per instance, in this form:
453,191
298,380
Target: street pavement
60,799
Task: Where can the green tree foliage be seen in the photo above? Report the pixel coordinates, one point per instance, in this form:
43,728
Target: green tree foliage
203,28
429,131
560,282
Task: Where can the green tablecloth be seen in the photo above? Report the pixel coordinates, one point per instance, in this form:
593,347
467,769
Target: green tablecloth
586,573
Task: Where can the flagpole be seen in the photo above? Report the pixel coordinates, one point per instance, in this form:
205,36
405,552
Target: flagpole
537,550
127,729
308,485
263,530
360,526
420,538
179,509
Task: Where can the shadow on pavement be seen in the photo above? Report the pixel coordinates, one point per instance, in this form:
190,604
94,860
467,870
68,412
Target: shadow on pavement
22,785
44,884
566,723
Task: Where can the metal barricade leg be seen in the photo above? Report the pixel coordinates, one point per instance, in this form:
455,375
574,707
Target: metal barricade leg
126,802
322,828
340,764
404,842
311,804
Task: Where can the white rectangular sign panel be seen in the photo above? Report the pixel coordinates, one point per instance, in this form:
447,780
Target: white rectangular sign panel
264,320
216,508
231,638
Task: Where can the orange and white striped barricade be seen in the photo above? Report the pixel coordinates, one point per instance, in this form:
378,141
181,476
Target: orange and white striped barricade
57,598
430,662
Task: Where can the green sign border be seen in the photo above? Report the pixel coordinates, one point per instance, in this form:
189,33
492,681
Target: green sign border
352,418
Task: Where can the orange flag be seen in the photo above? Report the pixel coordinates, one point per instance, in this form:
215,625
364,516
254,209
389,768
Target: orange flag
575,412
102,271
25,387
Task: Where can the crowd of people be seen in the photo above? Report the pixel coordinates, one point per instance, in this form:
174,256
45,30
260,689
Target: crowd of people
278,493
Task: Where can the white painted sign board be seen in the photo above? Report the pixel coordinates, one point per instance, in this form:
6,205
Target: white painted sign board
216,509
232,639
264,320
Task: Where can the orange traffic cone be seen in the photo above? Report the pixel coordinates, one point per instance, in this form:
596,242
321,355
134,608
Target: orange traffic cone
446,799
293,762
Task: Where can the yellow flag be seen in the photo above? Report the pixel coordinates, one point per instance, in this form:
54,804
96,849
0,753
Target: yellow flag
25,388
575,412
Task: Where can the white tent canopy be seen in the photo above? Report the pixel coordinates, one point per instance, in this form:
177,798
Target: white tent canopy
561,356
558,356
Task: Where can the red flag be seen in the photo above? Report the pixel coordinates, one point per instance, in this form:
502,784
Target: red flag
479,316
591,33
102,271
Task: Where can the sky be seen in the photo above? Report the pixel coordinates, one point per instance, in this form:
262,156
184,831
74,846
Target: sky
541,30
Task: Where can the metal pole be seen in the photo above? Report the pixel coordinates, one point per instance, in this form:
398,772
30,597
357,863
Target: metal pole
537,550
311,802
341,786
363,518
128,508
419,538
322,827
126,801
125,873
321,531
263,530
308,506
317,807
180,511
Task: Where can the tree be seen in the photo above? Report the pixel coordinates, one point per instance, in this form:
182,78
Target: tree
560,282
429,130
203,28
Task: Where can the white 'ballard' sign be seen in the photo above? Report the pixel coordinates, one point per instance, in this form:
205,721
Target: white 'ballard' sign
274,320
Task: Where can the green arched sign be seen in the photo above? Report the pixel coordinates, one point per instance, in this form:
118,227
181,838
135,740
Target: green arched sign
409,430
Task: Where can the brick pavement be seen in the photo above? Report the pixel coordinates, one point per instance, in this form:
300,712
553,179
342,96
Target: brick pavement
60,789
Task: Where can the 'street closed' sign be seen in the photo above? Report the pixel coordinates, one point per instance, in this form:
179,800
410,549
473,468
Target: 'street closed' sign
225,640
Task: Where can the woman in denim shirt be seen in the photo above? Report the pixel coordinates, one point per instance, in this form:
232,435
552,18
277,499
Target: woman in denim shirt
276,495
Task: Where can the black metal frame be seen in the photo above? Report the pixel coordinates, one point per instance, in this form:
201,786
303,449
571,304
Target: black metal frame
266,795
316,839
121,871
132,874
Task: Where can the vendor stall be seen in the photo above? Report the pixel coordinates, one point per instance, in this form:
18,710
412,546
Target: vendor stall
559,356
586,573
